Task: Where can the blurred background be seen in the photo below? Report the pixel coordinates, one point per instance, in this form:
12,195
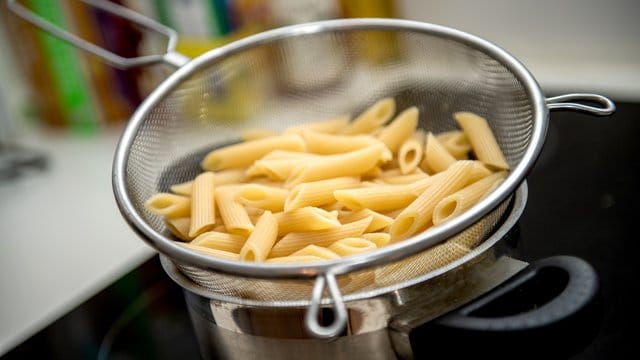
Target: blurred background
61,112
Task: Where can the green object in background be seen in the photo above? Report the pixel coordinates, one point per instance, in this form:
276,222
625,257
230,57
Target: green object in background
66,72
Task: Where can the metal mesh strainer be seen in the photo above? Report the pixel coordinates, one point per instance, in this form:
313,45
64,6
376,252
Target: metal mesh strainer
308,72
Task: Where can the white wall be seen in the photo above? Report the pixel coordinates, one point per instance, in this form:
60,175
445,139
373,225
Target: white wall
568,45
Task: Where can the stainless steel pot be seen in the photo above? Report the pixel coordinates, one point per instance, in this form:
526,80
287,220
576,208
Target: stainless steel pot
383,326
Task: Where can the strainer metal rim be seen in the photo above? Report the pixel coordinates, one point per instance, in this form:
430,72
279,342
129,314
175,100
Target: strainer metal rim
387,254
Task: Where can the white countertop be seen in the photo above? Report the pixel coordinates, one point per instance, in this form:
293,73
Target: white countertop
64,239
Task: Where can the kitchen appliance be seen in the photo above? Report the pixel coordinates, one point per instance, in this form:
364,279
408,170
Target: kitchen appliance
459,70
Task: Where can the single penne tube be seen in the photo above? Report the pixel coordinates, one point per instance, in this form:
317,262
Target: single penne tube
372,118
463,199
436,156
327,144
330,126
203,209
319,251
223,177
295,259
483,141
353,163
230,176
244,154
352,246
404,179
308,218
182,188
275,169
411,152
257,133
179,227
379,221
372,173
261,240
400,129
419,213
295,241
169,205
318,193
234,216
212,252
376,198
379,238
456,143
285,154
262,197
220,241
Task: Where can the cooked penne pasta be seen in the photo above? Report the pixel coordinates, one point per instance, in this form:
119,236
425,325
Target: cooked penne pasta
182,188
169,205
262,197
220,241
308,218
372,118
419,213
261,240
404,179
179,227
245,153
329,126
295,259
230,176
286,154
295,241
379,221
410,153
376,198
318,251
456,143
212,252
234,216
203,210
482,140
352,246
328,144
322,190
379,238
317,193
276,169
257,133
400,129
331,166
463,199
223,177
436,156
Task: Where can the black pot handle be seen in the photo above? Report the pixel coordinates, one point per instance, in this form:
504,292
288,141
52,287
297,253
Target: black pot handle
551,309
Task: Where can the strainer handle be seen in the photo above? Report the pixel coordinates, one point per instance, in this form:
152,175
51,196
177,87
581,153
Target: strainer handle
315,328
568,102
170,57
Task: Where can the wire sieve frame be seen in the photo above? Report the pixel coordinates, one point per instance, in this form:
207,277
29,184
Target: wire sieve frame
391,253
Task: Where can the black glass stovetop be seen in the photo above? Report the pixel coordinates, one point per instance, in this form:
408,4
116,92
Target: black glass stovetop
583,201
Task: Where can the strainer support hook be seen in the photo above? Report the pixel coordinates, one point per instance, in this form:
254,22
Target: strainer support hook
328,281
170,57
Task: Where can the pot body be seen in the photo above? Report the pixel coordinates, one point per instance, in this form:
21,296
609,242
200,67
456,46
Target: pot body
237,331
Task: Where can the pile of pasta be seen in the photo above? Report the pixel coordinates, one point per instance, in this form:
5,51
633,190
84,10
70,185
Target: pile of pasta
332,188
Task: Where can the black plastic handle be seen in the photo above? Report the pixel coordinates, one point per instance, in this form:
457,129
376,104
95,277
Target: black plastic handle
551,309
